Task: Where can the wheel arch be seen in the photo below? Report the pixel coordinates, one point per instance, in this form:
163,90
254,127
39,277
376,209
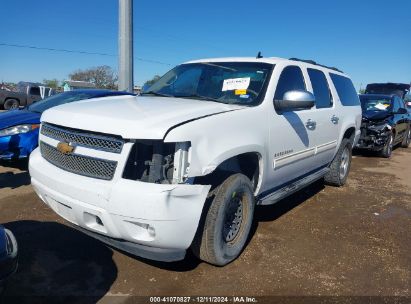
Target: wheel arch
14,98
249,163
349,133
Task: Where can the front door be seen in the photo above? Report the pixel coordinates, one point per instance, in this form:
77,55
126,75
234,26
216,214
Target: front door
292,136
400,120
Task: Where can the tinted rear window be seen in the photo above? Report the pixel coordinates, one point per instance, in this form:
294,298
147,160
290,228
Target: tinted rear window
345,90
320,89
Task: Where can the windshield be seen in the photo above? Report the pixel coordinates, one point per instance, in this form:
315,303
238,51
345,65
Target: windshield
242,83
375,103
55,100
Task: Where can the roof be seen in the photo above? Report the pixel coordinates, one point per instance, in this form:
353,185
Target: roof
81,84
271,60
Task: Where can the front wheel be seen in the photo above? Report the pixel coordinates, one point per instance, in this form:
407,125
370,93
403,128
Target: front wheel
11,104
387,150
341,164
407,138
227,221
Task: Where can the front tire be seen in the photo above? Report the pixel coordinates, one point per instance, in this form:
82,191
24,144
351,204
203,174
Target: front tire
407,138
227,221
341,164
11,104
387,150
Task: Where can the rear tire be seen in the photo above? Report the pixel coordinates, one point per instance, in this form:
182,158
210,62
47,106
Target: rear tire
227,221
407,139
11,104
387,150
340,166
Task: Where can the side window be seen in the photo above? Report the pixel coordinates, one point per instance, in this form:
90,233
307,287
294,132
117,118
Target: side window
345,90
320,89
291,78
35,91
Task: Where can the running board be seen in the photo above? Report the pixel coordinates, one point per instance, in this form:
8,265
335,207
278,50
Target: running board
289,189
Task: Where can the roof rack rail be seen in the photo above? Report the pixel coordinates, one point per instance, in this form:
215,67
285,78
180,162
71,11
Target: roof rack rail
315,63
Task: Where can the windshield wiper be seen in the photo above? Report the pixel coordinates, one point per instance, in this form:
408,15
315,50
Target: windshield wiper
156,94
196,96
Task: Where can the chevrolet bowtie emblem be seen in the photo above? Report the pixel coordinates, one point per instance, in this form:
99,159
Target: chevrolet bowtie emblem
65,148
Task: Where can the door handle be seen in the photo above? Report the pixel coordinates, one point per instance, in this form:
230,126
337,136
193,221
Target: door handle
335,119
310,124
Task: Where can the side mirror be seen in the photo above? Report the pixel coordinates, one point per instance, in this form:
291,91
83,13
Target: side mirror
401,111
295,100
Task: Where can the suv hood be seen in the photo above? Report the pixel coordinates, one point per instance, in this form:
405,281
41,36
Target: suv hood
141,117
389,88
376,115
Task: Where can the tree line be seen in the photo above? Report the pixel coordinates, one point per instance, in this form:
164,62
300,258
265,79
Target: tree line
103,77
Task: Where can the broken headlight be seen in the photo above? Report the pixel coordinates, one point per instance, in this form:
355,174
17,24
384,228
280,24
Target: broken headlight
379,127
155,161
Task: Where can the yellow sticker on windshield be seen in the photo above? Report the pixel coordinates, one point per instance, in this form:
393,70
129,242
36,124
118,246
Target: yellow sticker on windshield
240,92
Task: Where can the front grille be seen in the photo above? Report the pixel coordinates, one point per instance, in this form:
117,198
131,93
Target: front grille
79,164
81,138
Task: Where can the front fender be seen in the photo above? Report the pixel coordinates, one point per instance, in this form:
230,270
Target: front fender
235,151
217,138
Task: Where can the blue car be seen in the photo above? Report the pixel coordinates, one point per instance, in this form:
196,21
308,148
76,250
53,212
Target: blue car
19,129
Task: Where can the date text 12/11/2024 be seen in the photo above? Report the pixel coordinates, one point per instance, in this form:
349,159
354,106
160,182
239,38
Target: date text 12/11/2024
203,299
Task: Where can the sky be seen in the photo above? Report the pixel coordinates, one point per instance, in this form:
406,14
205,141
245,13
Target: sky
369,40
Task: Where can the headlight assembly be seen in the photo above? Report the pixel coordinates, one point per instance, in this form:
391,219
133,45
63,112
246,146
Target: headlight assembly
379,128
18,129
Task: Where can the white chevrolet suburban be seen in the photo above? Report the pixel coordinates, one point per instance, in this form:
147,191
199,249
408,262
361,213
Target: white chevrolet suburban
184,164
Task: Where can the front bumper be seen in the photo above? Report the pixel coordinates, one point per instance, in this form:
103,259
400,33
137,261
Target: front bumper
151,220
19,145
372,140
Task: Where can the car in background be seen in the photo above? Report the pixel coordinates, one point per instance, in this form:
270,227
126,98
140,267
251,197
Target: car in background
10,100
19,129
8,255
385,123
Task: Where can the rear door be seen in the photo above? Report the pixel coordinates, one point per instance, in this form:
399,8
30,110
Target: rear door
326,116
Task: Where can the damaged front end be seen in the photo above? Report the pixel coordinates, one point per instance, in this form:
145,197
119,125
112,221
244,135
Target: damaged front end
374,134
155,161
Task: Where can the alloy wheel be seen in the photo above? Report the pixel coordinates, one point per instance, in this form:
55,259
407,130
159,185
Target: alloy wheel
345,162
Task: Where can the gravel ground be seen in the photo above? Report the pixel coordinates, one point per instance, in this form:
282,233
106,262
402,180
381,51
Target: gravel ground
322,241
